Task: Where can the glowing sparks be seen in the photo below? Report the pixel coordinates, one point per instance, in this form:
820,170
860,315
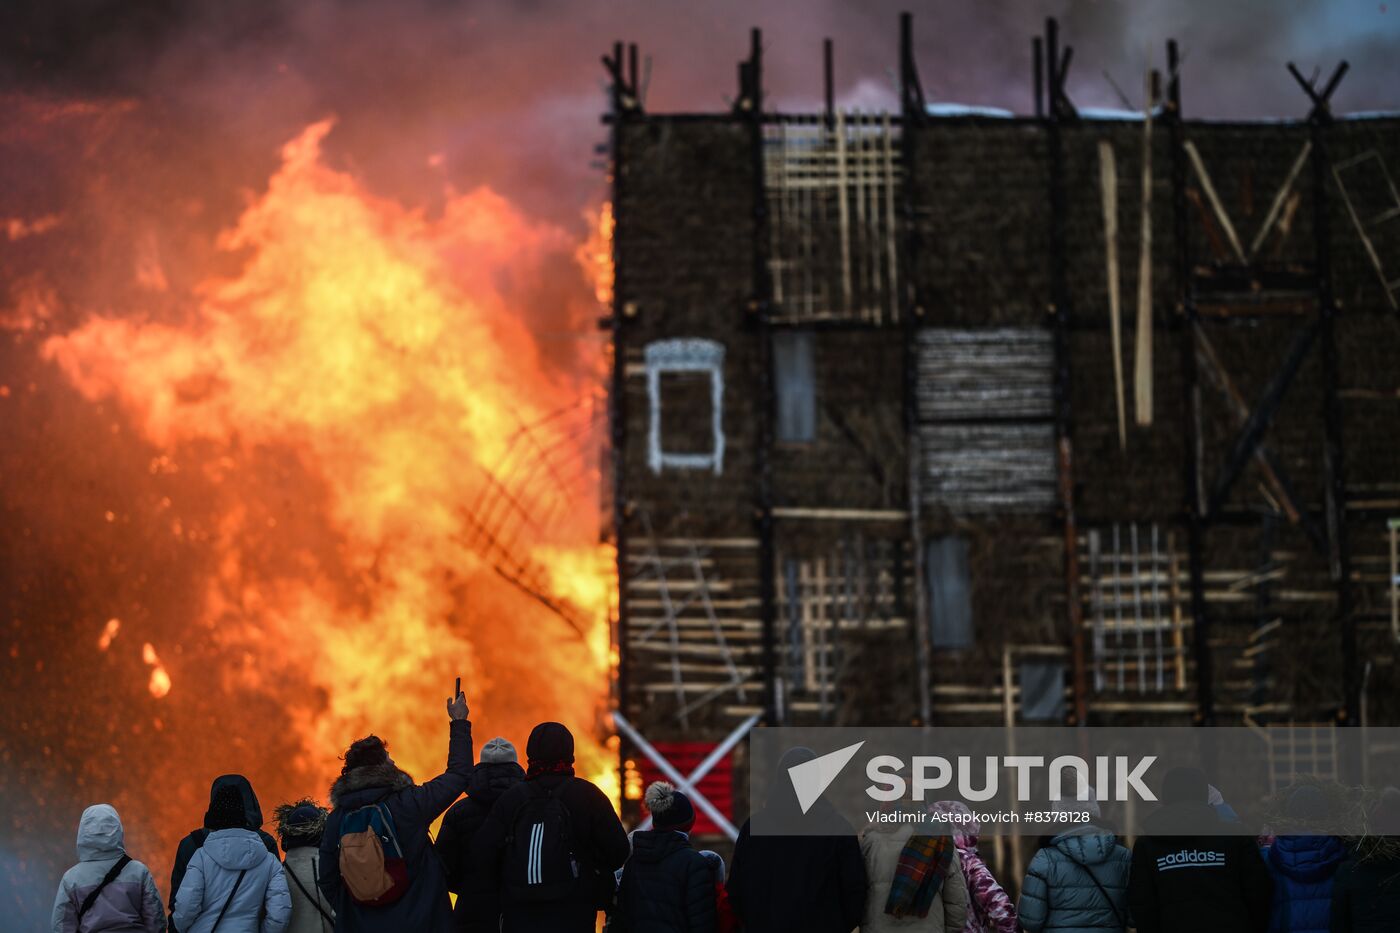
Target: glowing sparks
17,228
159,684
109,632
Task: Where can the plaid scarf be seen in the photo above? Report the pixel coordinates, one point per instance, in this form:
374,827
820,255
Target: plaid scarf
923,864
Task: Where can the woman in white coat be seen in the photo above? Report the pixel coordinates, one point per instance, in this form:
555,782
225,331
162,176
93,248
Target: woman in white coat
233,884
299,827
882,846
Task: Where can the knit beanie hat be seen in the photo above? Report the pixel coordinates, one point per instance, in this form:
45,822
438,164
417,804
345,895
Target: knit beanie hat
1185,785
1070,803
551,744
300,824
670,809
226,810
498,751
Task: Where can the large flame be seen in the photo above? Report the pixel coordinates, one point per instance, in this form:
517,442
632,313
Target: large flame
402,489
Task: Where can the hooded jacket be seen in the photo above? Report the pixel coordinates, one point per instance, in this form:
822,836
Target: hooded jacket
812,883
1060,892
598,840
191,843
989,909
1186,878
1303,868
667,887
424,907
259,903
881,847
130,904
478,904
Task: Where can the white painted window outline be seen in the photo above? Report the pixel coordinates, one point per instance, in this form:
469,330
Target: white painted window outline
685,355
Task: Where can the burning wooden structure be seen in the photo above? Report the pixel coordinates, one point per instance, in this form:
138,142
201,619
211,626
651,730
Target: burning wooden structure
955,416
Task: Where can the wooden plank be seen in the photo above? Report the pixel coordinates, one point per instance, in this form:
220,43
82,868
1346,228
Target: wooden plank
1108,191
1209,188
841,515
1142,362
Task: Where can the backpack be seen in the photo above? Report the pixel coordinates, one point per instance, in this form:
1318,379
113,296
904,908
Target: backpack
539,862
372,864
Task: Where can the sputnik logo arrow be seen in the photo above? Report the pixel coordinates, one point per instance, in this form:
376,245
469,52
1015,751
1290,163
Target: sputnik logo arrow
811,778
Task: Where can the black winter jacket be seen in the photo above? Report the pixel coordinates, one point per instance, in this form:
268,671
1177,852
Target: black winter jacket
195,840
478,904
667,887
1366,895
600,844
424,907
1197,883
816,884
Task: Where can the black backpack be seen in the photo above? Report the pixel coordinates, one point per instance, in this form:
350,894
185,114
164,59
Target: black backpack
540,863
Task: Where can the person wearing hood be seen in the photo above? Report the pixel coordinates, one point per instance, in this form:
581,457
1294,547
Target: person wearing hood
478,905
667,886
989,907
1303,867
915,880
253,819
816,884
1078,882
371,784
551,844
107,891
300,826
232,884
1188,877
1366,888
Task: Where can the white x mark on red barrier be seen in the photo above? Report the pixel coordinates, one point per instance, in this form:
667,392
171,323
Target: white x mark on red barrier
689,785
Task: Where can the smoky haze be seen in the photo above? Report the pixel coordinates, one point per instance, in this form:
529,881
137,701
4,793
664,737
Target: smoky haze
509,93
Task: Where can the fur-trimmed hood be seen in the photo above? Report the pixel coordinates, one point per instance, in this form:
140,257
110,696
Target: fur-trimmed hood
384,777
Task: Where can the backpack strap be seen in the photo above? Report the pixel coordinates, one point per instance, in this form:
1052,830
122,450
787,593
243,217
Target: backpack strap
231,894
1122,923
107,879
302,888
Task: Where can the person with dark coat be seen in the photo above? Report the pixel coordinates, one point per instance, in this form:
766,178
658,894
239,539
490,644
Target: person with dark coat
1366,888
667,886
195,840
1303,867
370,777
1078,881
478,905
1188,878
816,884
597,842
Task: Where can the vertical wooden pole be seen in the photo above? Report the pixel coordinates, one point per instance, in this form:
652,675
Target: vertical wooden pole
1334,456
760,308
1187,319
617,407
1060,311
912,123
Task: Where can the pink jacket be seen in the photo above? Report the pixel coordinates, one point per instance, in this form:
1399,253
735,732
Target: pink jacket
990,909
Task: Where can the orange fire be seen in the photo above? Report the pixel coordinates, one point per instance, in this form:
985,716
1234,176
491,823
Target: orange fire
398,473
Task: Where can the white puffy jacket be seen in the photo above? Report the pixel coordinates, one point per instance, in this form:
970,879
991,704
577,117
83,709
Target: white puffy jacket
261,903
